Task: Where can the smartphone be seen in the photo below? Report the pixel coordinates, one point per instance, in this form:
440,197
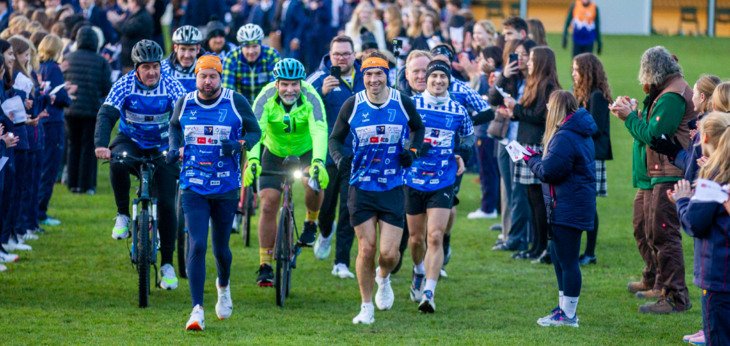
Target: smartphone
512,57
397,44
335,71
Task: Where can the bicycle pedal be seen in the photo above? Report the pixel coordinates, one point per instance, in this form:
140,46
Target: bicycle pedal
297,251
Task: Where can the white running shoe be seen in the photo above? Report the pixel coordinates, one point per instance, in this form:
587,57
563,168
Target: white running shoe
443,273
479,214
427,304
384,297
322,246
366,315
18,244
340,270
121,227
29,235
169,279
8,257
197,319
224,306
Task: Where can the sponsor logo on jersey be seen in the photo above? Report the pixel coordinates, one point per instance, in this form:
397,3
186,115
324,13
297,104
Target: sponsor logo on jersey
223,174
201,140
189,173
205,163
383,180
391,150
389,172
380,129
374,139
433,181
363,178
215,182
434,132
196,181
419,181
208,130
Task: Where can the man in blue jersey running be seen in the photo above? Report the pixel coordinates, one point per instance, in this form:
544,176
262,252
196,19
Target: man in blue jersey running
388,134
142,100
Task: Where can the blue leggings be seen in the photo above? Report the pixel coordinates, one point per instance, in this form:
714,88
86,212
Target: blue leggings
198,210
565,250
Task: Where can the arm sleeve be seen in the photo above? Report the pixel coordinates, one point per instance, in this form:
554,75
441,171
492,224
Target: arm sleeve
667,114
341,130
556,165
568,21
599,111
317,124
176,134
681,160
252,133
106,81
418,130
482,118
697,217
475,101
466,133
105,120
229,71
55,78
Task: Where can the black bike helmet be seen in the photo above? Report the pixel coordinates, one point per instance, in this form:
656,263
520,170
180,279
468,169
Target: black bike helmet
146,51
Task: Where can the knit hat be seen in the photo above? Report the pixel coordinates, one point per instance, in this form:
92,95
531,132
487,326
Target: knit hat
438,65
209,61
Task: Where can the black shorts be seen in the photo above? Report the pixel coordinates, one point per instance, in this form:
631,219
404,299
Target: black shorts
271,162
417,202
457,188
387,206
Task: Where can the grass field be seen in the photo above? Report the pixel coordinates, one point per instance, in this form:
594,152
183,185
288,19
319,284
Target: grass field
78,287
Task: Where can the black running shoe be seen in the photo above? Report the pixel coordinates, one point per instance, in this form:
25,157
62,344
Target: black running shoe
309,234
266,276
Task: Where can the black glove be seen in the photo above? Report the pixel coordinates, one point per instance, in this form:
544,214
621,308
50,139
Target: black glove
172,156
407,157
565,42
665,146
692,124
345,164
230,147
425,148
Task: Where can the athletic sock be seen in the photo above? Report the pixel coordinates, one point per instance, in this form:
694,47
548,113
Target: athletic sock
419,269
560,299
571,305
266,255
312,216
430,286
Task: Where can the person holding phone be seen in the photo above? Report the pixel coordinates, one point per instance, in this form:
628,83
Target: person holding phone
338,79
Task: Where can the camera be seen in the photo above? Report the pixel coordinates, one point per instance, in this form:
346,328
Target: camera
397,44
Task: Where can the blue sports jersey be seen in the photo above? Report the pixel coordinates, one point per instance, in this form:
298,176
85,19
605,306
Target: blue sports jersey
186,78
445,125
145,114
467,97
205,170
379,135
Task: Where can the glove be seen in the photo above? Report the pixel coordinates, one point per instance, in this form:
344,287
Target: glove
565,42
345,164
253,170
322,176
532,153
230,147
172,156
664,146
407,157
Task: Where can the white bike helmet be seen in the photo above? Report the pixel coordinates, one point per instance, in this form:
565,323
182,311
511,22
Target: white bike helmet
250,33
187,34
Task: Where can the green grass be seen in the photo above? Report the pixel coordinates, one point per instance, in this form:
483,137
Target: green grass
77,286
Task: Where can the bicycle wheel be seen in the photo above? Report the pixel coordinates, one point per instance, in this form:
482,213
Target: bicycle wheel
283,255
143,259
182,236
292,252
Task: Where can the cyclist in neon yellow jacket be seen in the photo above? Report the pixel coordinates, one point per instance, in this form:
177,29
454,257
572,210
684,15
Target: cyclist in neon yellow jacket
293,123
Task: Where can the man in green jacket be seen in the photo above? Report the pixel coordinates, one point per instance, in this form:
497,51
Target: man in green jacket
667,109
293,123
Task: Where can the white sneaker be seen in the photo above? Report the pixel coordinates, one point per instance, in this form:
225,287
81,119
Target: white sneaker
322,246
29,235
224,306
340,270
366,315
8,257
384,297
443,273
427,304
3,268
17,245
169,279
197,319
479,214
121,227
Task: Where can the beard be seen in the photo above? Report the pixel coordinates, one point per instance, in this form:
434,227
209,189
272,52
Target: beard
209,92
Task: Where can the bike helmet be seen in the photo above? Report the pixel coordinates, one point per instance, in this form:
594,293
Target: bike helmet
187,34
289,69
250,33
146,51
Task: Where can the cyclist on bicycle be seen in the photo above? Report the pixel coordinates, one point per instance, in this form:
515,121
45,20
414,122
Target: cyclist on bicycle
209,129
249,69
143,101
388,134
293,123
180,65
431,180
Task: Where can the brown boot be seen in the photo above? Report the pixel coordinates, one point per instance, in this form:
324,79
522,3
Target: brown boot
662,306
649,294
638,286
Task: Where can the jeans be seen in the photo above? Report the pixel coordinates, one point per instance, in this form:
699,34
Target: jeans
565,250
716,317
51,163
198,210
521,215
337,191
488,174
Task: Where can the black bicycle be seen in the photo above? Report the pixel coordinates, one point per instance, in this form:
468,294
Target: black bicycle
145,242
286,249
246,210
182,235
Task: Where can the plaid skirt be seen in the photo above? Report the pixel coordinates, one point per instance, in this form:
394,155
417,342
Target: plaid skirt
601,180
523,174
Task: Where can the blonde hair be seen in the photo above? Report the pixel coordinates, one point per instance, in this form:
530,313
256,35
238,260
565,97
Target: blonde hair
415,54
706,85
393,27
716,129
721,98
18,24
560,104
355,23
50,48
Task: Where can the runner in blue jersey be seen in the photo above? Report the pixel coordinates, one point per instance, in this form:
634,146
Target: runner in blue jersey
209,130
430,181
388,134
186,41
142,101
